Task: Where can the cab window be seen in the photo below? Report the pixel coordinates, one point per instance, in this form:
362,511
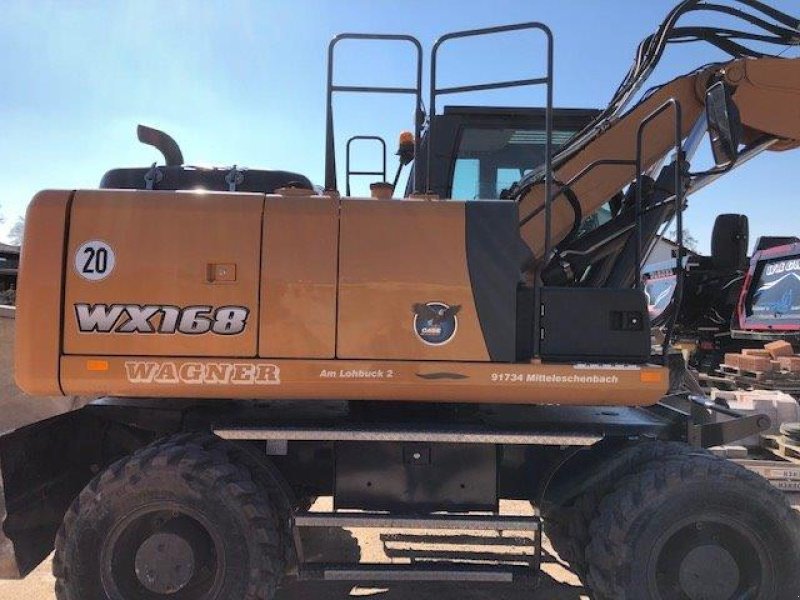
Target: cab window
489,161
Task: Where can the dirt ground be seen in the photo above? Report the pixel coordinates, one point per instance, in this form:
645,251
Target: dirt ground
39,586
557,583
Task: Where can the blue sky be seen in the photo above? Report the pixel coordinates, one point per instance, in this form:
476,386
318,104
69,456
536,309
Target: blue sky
243,82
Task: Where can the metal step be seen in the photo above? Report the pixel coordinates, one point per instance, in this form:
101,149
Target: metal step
386,573
456,539
440,522
424,567
464,435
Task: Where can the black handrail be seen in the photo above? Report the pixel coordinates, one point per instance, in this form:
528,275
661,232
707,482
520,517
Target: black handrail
677,296
330,144
672,103
349,172
547,81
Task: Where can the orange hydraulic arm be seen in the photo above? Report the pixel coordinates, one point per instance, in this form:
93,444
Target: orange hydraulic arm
765,90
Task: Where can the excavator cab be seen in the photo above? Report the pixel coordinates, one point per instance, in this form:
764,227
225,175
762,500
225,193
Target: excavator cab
481,152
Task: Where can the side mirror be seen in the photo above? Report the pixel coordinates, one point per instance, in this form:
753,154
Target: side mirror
724,125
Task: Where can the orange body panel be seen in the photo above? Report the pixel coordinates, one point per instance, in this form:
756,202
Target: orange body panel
394,255
38,326
298,297
532,383
313,274
766,95
165,244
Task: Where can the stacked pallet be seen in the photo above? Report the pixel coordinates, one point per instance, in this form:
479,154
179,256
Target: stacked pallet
775,358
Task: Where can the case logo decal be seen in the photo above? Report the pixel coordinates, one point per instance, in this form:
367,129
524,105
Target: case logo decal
157,318
435,323
211,373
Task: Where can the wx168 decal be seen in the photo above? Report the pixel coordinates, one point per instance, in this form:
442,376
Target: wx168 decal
156,318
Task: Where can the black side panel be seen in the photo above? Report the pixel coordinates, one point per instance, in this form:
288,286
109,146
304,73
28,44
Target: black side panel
594,324
416,476
493,247
187,178
526,301
44,466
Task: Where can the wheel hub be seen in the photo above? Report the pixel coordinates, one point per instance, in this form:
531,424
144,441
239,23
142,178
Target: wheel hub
705,557
164,563
708,572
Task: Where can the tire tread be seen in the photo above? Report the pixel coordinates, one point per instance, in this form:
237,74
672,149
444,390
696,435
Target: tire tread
202,456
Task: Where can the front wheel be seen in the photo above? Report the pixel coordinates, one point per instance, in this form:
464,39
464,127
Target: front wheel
695,528
178,520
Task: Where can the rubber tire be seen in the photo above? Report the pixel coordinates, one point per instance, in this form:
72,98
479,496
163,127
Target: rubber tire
630,519
192,469
567,527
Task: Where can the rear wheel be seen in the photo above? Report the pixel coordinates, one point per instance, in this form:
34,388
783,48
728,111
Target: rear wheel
697,528
567,526
177,520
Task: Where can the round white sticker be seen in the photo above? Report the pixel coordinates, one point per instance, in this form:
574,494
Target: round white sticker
94,260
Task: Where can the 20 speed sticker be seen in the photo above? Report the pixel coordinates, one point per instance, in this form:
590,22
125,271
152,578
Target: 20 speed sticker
95,260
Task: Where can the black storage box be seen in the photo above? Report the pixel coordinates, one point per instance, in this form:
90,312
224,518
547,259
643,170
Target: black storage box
594,324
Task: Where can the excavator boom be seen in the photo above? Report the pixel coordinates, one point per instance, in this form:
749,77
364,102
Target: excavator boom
766,92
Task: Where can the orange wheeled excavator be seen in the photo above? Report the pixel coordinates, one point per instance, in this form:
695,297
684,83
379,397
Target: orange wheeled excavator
259,344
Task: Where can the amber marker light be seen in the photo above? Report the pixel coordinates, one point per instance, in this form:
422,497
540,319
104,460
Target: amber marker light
406,137
405,148
650,377
97,365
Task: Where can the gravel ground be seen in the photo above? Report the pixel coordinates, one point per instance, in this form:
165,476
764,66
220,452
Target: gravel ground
557,583
39,586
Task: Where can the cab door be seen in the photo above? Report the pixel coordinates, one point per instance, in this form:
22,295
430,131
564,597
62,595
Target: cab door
162,274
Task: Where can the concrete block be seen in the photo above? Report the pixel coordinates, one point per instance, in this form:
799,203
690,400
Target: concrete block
790,363
732,360
779,348
756,352
757,364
